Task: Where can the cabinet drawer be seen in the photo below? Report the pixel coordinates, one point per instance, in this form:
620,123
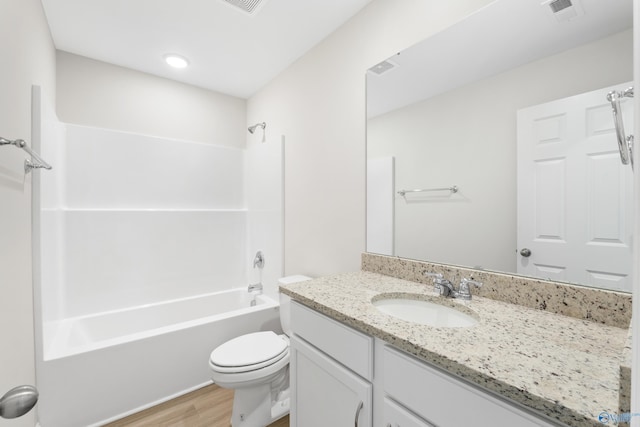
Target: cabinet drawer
396,416
445,400
346,345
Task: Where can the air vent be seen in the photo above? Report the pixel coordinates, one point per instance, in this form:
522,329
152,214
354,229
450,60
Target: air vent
558,5
563,10
247,6
382,67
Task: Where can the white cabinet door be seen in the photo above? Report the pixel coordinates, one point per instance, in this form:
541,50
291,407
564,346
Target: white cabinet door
325,393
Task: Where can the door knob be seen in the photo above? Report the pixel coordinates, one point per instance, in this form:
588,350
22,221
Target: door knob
18,401
525,252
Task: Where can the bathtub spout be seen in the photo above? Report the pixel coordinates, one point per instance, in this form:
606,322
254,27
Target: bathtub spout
255,288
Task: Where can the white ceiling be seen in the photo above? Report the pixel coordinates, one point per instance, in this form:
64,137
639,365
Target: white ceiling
229,50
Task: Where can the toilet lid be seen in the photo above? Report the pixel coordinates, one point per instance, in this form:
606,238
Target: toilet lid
249,349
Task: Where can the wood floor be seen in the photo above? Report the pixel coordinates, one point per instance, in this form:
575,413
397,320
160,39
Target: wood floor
207,407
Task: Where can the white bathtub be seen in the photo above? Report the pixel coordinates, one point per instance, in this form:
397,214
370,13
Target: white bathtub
102,367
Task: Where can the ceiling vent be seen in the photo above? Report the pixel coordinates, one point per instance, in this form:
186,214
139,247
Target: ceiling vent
563,10
382,67
247,6
560,5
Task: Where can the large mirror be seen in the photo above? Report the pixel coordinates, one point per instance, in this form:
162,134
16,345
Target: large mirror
502,122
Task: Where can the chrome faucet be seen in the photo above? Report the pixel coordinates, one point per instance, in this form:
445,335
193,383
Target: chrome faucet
441,285
256,287
254,290
446,289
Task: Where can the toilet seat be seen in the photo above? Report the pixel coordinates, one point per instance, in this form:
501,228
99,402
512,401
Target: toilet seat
249,352
238,380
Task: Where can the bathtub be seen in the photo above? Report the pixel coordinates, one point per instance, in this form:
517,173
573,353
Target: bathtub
102,367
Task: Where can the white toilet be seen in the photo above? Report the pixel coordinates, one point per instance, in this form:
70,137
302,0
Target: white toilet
256,366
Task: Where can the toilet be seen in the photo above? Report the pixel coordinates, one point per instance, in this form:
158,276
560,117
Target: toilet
256,367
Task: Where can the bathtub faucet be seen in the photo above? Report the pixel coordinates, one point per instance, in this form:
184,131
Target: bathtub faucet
256,287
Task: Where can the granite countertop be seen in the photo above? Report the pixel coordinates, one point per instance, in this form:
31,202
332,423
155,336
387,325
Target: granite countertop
565,368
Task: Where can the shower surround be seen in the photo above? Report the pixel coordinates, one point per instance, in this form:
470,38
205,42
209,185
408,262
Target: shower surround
138,220
137,230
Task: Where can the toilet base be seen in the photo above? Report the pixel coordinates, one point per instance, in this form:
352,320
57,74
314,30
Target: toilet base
256,407
260,405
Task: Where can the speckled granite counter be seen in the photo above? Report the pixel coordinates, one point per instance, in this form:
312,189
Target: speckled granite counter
563,367
625,379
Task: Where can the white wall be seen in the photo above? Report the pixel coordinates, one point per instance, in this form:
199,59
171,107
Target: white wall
95,93
319,105
467,137
264,167
28,57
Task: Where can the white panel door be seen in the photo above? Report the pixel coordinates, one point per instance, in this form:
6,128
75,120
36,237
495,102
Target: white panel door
574,195
325,393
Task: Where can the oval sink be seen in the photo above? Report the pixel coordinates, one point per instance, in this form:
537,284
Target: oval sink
425,312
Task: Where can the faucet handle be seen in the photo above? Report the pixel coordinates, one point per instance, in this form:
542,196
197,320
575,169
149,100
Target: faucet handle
465,289
258,261
438,280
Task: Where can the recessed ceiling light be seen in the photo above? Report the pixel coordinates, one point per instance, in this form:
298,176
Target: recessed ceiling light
176,61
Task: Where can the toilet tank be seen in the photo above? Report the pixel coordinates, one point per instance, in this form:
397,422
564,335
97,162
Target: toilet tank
285,301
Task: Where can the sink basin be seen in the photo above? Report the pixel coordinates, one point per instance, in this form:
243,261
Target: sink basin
425,312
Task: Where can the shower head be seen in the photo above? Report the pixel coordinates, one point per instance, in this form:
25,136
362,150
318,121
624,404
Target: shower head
253,128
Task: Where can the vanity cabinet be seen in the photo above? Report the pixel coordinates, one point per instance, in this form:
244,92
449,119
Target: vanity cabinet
443,400
325,392
333,384
394,415
331,367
